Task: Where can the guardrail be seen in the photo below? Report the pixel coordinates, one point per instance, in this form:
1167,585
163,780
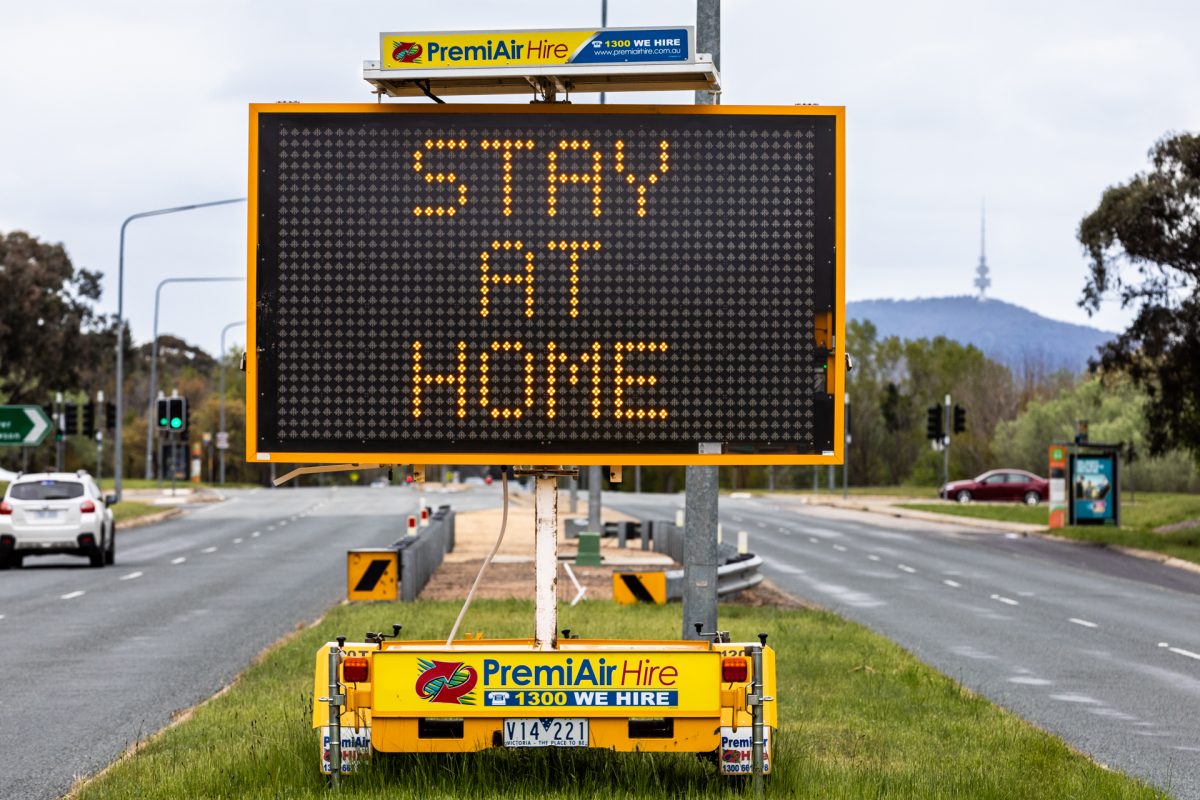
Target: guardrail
422,554
736,571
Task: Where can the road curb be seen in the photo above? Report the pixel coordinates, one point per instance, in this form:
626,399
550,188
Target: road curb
1021,528
929,516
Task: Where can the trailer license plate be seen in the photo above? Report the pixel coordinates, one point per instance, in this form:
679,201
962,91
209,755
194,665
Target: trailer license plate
545,732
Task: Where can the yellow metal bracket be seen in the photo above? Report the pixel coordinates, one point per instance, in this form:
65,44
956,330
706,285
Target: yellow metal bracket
296,473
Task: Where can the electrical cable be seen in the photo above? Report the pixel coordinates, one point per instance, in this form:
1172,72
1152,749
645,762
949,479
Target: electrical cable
503,525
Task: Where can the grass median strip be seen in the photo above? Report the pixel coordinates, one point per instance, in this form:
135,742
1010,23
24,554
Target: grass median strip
860,718
1139,520
131,509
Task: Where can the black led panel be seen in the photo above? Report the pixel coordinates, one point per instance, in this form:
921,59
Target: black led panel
529,282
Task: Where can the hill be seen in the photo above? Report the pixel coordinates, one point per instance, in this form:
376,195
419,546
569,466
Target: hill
1008,333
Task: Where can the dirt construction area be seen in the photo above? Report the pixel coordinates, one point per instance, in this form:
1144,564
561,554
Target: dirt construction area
511,573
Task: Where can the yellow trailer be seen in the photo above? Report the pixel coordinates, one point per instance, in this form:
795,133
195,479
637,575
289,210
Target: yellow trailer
709,696
625,695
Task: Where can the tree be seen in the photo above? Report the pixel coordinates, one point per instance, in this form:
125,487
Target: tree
46,317
1143,242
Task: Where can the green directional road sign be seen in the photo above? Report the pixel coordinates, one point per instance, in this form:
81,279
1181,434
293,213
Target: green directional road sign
23,426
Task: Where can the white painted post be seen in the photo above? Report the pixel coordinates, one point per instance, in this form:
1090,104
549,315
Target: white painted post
545,561
720,533
743,543
679,518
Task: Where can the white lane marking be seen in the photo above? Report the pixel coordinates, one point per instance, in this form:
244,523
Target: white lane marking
906,568
1082,622
814,540
73,595
873,557
256,534
1,616
237,541
1164,644
839,548
179,560
784,530
952,584
131,576
1182,652
282,522
1006,600
270,528
209,550
1076,698
1026,681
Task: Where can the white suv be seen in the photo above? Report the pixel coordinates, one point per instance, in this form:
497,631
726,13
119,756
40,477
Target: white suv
56,512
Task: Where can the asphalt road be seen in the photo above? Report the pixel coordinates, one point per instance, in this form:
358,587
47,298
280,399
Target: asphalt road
94,660
1099,648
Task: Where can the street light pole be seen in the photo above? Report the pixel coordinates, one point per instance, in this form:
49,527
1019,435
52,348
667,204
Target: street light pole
153,392
221,367
120,379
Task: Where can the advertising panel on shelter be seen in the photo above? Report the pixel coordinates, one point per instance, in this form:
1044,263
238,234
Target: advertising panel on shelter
1093,490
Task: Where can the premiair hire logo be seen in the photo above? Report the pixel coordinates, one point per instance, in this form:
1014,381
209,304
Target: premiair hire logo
446,682
407,53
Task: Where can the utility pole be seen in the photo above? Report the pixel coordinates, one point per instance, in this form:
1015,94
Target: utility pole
700,517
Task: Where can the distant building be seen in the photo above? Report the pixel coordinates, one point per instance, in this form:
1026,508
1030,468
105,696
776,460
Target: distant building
982,281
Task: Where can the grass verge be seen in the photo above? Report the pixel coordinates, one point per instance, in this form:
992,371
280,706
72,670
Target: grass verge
129,509
1139,517
860,718
913,492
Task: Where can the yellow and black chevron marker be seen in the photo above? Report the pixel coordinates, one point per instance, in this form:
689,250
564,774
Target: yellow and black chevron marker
640,587
372,574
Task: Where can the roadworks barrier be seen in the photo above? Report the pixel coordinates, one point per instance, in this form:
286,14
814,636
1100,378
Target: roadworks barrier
402,570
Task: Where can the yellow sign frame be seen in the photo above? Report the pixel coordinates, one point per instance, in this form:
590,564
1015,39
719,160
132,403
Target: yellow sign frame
837,371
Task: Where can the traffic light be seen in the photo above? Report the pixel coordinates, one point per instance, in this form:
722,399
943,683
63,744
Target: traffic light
960,418
71,417
110,415
177,416
89,419
933,423
163,417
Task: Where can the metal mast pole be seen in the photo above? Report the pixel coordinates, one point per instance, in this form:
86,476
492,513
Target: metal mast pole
700,518
221,402
603,24
947,426
153,391
118,445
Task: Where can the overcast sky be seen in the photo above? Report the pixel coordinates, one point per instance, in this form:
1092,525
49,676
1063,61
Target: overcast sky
117,107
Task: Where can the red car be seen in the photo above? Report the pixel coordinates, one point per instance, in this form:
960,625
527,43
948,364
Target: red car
1013,485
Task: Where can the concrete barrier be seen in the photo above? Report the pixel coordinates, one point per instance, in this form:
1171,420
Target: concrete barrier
421,555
